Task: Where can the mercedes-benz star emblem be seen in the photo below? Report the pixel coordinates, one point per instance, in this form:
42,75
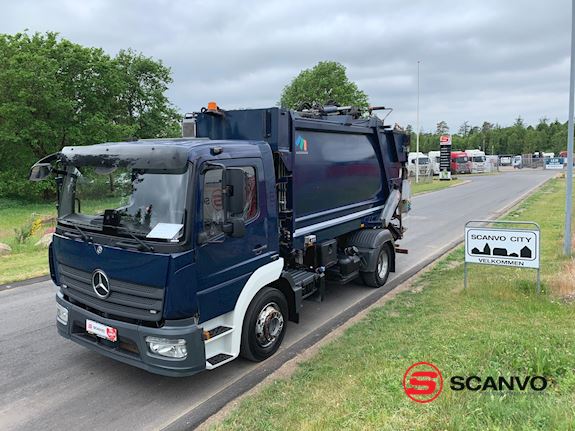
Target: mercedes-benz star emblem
100,284
99,249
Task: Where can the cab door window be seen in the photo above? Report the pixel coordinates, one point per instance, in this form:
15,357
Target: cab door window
213,205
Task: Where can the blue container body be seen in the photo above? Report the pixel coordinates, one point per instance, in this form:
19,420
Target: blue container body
337,166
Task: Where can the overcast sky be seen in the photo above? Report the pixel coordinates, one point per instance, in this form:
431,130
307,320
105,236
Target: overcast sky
481,60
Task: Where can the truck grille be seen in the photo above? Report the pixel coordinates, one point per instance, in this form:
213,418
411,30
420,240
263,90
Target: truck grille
126,299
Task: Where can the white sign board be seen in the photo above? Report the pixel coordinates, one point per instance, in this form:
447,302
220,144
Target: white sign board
444,175
554,163
165,231
502,247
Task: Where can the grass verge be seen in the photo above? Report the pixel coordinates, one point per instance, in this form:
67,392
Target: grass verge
433,185
497,327
26,259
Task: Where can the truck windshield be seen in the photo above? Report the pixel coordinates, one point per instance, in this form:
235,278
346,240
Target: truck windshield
139,199
461,160
480,159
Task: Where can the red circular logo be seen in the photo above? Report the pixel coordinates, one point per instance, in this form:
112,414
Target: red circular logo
423,382
217,199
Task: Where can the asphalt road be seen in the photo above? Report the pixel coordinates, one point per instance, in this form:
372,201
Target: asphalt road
50,383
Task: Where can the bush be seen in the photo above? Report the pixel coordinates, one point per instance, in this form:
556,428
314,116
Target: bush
14,184
23,233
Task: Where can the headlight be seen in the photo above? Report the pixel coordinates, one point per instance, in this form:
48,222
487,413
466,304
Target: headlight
166,347
61,314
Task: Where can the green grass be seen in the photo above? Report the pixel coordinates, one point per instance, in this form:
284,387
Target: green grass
498,326
28,260
431,186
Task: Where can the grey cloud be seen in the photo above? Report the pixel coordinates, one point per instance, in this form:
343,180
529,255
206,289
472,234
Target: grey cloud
487,60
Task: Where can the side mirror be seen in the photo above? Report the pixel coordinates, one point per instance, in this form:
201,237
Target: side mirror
40,171
235,191
235,227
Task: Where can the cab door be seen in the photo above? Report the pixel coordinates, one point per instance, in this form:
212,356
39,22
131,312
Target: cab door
226,262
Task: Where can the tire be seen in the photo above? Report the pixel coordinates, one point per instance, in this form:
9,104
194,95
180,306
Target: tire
378,277
264,325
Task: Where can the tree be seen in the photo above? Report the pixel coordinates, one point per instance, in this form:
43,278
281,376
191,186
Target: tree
519,123
141,95
55,93
464,129
442,128
486,129
326,82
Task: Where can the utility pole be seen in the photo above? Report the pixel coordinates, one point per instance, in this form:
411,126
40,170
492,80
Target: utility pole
417,125
569,195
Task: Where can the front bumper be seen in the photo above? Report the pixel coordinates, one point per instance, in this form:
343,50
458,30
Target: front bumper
131,347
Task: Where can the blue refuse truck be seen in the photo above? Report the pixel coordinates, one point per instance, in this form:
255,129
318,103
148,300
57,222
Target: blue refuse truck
179,255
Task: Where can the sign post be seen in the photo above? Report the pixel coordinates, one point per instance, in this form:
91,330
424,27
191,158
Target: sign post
445,157
507,245
569,174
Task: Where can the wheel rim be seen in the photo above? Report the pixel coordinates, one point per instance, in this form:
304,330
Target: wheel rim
382,265
269,325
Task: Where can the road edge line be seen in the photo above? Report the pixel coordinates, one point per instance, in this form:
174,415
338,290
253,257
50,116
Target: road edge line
28,281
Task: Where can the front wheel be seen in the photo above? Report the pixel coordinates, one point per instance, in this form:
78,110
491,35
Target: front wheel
264,325
378,277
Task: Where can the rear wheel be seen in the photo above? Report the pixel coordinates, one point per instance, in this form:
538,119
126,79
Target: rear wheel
378,277
264,325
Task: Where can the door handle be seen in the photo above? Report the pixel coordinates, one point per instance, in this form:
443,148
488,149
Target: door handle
258,249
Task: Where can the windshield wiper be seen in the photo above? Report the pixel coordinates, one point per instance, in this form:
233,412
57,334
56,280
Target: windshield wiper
83,234
145,246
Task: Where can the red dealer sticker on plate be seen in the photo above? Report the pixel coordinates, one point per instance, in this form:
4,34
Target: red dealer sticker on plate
101,330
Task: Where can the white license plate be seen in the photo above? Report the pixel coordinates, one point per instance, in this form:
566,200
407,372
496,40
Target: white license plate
102,331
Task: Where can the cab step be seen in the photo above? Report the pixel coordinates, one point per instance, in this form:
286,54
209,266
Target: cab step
216,332
219,358
309,282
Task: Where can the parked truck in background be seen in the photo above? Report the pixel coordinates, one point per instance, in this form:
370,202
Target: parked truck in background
460,162
418,160
505,160
477,161
179,255
434,159
543,155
